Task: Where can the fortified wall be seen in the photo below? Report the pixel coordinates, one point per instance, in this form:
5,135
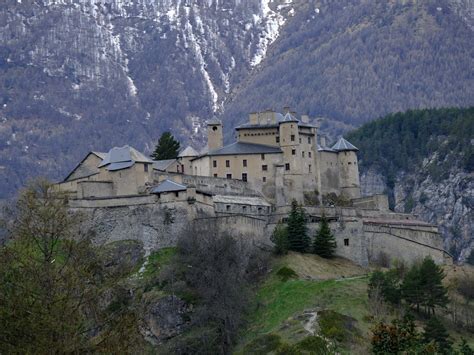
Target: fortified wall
363,235
245,189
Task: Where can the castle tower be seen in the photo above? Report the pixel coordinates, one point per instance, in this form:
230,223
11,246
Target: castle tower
215,138
348,167
290,145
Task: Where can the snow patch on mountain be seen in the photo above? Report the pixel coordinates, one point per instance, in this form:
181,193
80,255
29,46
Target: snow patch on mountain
271,21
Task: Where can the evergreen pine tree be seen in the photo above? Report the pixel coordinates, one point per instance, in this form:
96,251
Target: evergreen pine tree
436,332
324,244
411,289
431,277
298,239
167,147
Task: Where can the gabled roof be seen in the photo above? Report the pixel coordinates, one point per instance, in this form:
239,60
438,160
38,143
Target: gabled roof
188,152
343,145
168,186
245,148
119,158
85,171
162,165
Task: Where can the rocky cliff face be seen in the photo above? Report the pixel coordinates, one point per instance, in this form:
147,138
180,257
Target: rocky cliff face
448,203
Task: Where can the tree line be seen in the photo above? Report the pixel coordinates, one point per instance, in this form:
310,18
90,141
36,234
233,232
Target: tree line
294,235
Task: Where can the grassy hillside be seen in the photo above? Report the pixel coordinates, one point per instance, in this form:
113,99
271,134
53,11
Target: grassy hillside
333,303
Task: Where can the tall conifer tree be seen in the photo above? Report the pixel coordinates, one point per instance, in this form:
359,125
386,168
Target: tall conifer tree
298,239
167,147
324,244
436,332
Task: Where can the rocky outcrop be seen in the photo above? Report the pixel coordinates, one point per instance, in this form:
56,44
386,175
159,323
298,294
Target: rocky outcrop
164,318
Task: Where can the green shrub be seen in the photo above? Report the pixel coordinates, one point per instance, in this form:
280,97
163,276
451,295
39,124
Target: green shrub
285,273
314,345
336,326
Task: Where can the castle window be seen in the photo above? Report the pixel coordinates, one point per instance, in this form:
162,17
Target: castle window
227,208
349,163
229,176
264,179
227,163
300,140
214,128
177,193
263,156
355,163
309,166
244,162
309,154
292,137
244,209
309,140
264,167
215,175
293,152
346,242
145,167
277,139
244,176
214,163
302,154
287,166
259,210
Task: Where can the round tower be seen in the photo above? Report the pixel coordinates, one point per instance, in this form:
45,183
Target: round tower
348,168
215,138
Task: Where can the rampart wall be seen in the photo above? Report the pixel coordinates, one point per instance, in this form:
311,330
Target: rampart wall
212,185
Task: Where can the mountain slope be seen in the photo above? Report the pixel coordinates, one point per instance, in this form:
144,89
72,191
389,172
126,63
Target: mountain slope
77,75
354,61
424,160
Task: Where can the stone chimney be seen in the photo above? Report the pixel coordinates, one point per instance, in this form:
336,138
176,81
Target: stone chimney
253,118
305,118
322,141
286,110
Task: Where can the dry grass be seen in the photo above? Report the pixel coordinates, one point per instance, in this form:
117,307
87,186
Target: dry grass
313,267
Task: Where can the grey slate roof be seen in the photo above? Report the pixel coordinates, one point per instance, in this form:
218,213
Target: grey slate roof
245,148
343,145
325,149
119,158
168,186
162,165
188,152
290,118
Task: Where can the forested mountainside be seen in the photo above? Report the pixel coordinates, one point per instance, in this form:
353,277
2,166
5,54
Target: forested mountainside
424,159
77,75
353,61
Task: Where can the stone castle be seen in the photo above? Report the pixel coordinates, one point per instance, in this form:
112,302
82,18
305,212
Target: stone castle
245,188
